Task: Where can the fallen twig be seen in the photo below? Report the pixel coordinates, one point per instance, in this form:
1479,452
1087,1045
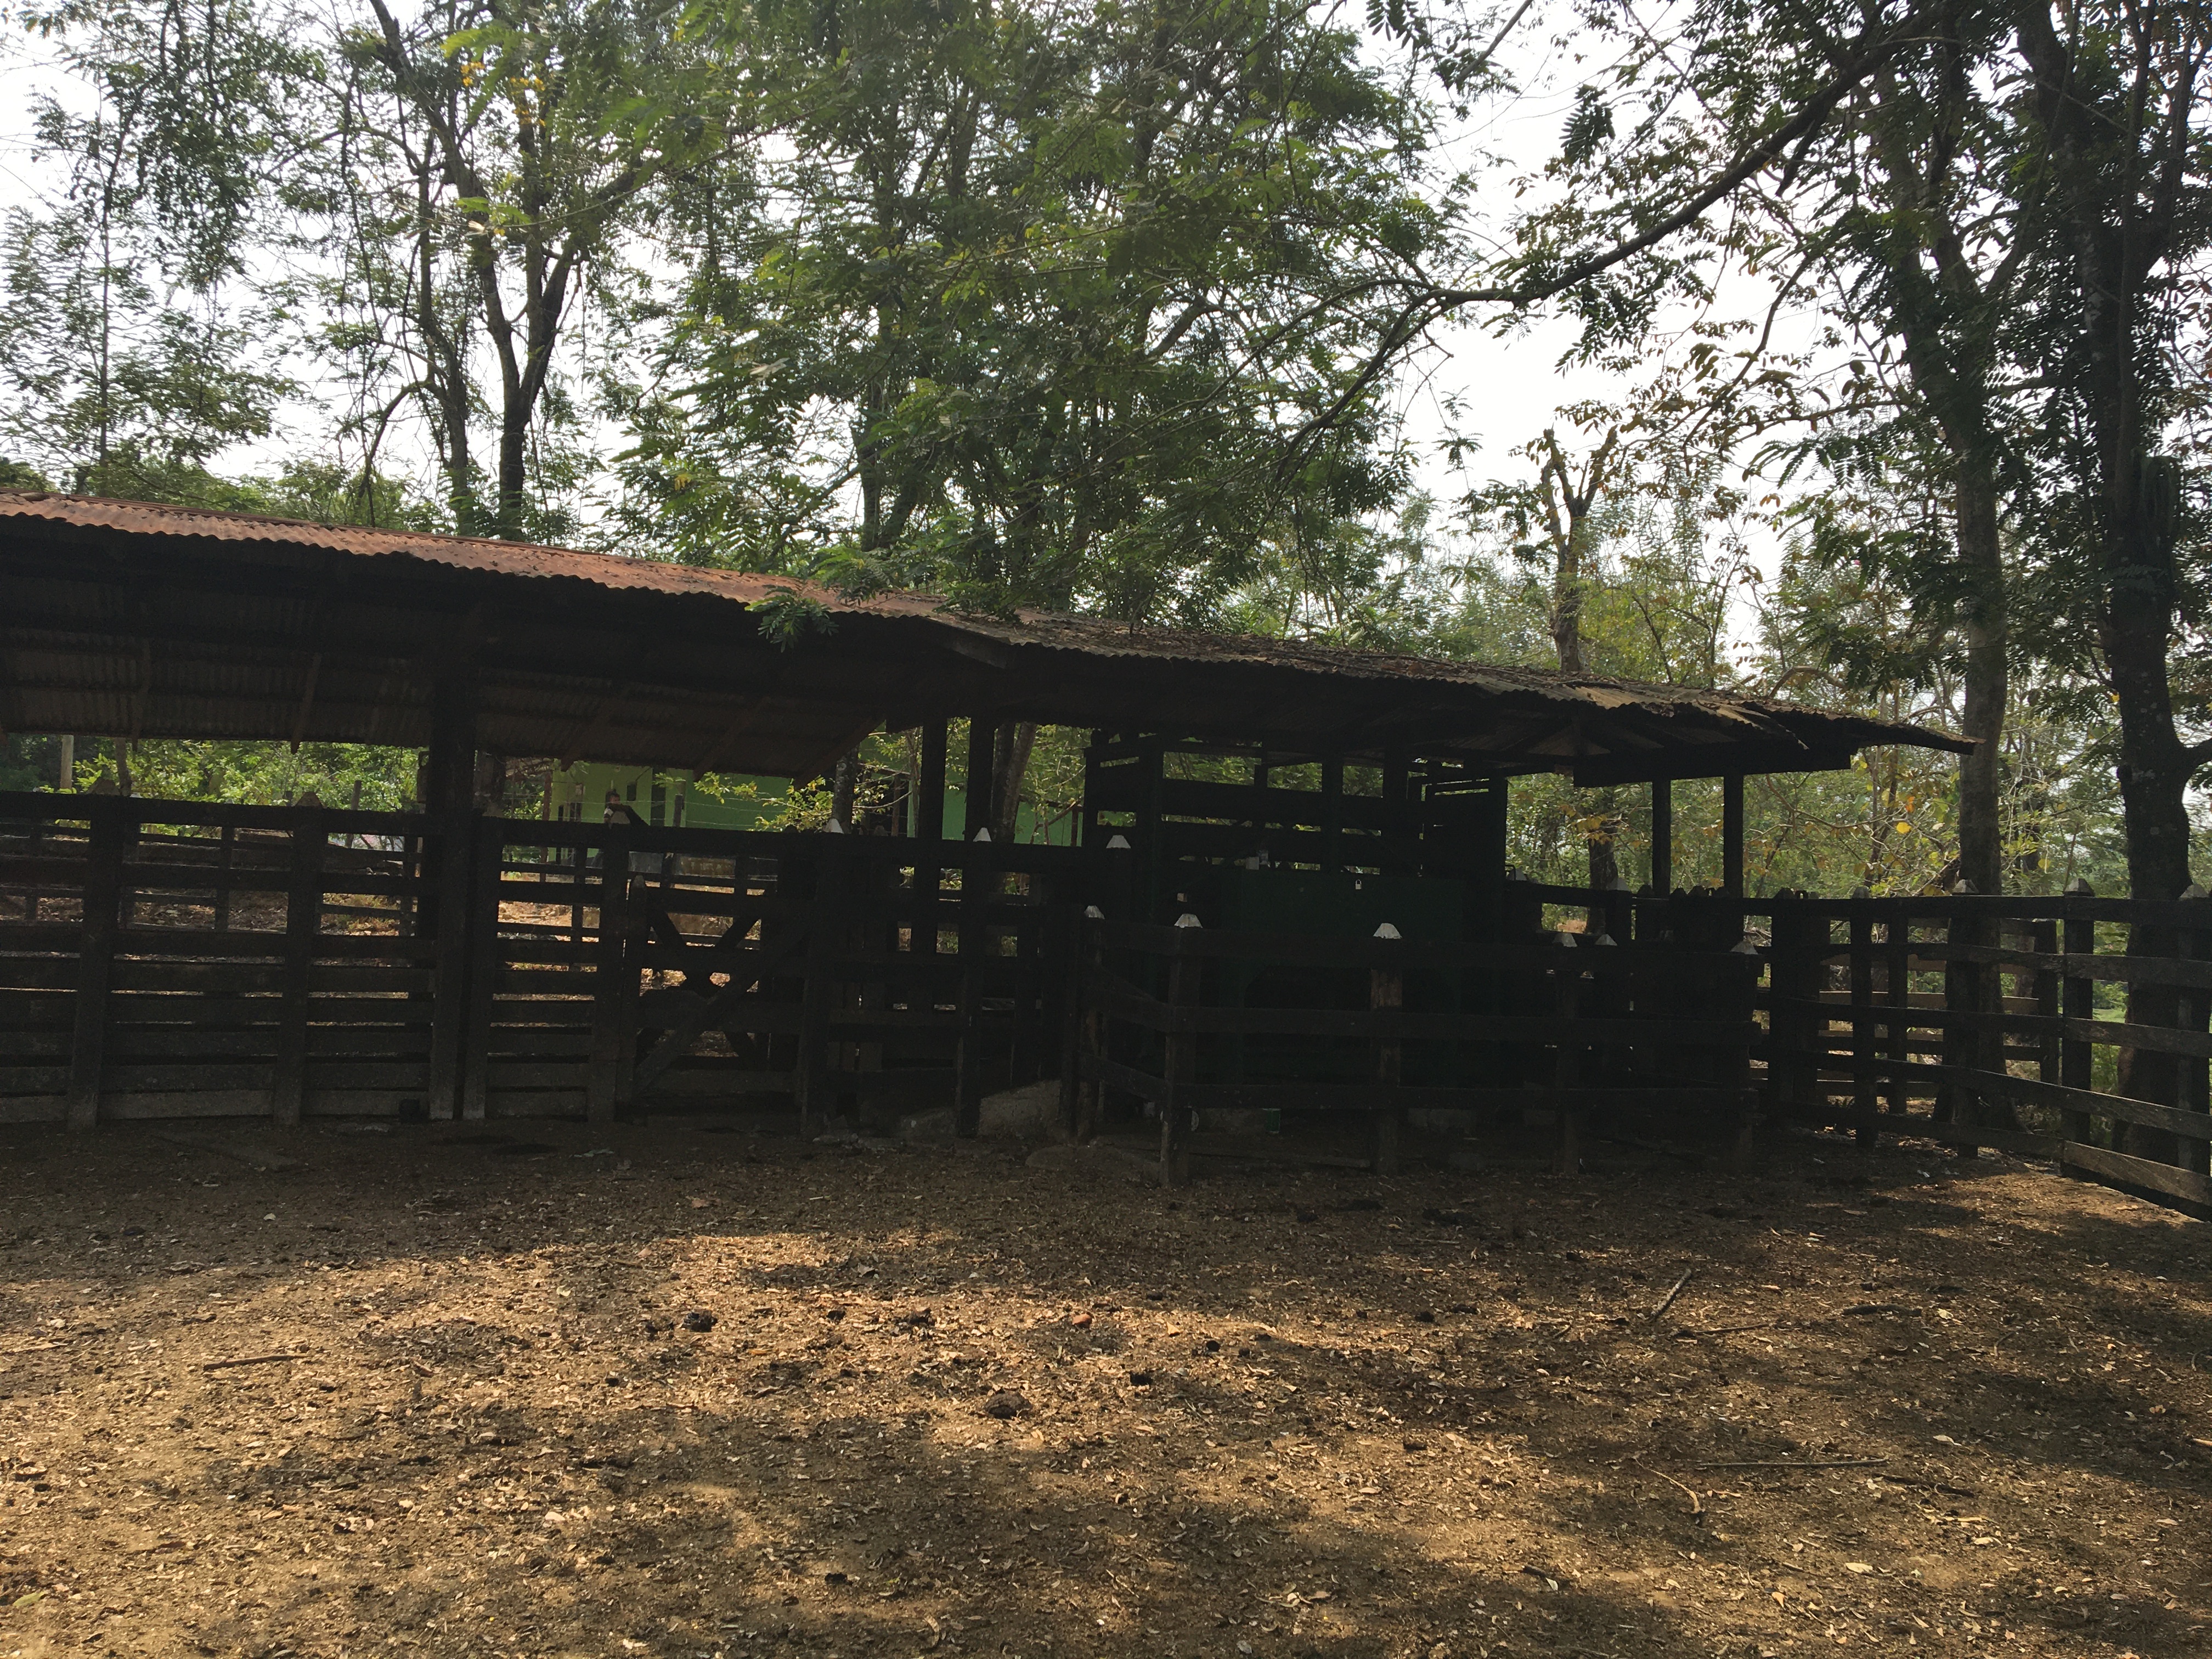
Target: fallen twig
248,1360
1823,1463
31,1348
1726,1330
1672,1294
1696,1505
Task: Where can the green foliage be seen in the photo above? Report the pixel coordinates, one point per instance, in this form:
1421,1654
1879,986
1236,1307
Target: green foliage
1054,295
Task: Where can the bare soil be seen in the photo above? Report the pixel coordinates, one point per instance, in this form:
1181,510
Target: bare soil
433,1391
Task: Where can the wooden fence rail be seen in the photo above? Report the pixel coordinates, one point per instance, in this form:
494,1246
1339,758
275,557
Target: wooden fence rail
176,959
1389,1025
1999,1022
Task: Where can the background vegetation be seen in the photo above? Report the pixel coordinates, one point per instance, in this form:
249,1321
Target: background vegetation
1899,311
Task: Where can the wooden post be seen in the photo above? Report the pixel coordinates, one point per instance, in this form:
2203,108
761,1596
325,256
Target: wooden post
303,912
603,1089
2044,939
810,1081
975,937
2077,995
1792,979
1080,1090
982,760
1398,851
1566,1069
1332,812
929,832
2189,1070
225,856
1862,1029
484,965
1732,834
449,1011
1386,998
112,825
1963,985
1181,1068
1896,938
1735,1070
1662,836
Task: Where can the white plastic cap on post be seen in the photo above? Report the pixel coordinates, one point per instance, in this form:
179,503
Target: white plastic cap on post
836,828
1119,844
2193,891
1186,920
984,834
1963,886
1567,940
1092,912
1387,931
1607,939
1620,884
2079,887
1744,947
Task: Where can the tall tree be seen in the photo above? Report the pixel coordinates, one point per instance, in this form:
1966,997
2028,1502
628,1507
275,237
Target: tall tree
128,362
1053,288
492,163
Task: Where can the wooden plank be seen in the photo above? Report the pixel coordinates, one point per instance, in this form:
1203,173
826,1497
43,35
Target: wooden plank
95,964
2036,1092
1180,1066
1386,998
450,999
611,1007
685,1082
2137,1172
302,924
1812,1115
974,936
2108,1032
1627,962
483,952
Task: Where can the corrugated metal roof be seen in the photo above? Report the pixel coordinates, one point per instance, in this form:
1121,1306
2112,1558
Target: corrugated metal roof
891,657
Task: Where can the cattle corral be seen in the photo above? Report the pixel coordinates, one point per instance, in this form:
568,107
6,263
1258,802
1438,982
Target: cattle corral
428,1388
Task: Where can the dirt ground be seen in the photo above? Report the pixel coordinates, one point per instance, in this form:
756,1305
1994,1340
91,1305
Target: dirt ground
435,1391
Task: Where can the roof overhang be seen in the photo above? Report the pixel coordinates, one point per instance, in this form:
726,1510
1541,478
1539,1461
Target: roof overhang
131,620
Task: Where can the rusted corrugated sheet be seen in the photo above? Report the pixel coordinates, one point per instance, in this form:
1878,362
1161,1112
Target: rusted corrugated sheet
896,657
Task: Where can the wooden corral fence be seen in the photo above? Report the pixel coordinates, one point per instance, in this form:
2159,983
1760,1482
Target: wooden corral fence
1190,1019
2003,1023
170,959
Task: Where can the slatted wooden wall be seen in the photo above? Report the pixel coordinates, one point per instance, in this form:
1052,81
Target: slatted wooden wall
167,959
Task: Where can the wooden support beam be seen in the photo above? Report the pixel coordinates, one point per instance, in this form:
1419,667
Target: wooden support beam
303,917
112,827
1732,834
451,865
1180,1071
1567,1071
1662,836
928,825
612,964
928,814
483,965
1386,994
983,761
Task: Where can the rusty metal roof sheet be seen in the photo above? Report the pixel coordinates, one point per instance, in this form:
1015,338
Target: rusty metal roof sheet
750,704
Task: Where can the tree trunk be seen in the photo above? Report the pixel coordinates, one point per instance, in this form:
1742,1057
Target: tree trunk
1981,840
844,785
2154,775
